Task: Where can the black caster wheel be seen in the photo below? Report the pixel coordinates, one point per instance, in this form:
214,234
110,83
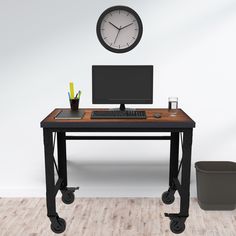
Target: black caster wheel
177,226
68,197
58,226
168,197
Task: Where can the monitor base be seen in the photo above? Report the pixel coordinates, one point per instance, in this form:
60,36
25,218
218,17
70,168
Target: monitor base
122,108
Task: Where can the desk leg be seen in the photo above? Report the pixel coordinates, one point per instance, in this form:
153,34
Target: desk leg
177,224
168,196
58,225
174,157
186,172
62,164
68,195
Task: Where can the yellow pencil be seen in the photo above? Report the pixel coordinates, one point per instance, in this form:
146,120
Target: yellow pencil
72,90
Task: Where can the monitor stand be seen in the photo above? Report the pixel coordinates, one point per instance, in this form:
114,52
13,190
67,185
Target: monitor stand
122,108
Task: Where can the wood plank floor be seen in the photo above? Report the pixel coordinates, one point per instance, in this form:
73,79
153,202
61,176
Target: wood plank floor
110,217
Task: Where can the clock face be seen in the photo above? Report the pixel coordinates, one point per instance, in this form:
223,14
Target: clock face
119,29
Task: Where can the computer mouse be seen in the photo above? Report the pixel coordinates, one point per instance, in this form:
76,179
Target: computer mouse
157,115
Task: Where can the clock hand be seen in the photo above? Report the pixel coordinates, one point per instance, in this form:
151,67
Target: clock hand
126,26
117,34
114,25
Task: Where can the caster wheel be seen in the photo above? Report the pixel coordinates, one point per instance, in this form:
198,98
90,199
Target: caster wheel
68,197
168,198
58,226
177,226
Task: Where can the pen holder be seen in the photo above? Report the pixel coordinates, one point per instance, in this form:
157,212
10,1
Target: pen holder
74,104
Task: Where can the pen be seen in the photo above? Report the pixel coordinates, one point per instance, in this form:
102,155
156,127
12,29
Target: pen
79,94
76,95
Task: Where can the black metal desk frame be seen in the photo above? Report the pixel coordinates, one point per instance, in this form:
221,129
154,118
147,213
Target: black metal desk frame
177,223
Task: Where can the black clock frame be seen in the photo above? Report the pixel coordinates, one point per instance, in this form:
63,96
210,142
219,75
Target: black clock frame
101,18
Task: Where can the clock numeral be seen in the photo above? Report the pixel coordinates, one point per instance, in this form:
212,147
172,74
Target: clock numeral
127,14
110,13
135,29
134,20
119,46
110,44
105,21
102,29
128,44
119,11
105,38
133,38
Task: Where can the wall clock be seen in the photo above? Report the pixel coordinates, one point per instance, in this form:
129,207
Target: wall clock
119,29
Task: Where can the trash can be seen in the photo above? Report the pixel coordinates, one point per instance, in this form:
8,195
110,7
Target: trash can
216,185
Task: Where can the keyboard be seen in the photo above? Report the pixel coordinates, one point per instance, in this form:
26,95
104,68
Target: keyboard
118,114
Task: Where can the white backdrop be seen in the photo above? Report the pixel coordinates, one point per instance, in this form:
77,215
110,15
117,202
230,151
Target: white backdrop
46,44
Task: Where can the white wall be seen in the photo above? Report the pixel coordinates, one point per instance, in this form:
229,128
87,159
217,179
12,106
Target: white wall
46,44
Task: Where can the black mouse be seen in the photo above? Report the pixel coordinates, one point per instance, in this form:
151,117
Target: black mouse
157,115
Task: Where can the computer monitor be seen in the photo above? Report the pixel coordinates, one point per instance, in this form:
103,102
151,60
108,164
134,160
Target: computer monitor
132,84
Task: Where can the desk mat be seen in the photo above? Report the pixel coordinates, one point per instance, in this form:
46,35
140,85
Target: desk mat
70,115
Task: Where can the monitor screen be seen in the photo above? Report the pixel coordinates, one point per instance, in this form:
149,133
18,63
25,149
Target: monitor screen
122,84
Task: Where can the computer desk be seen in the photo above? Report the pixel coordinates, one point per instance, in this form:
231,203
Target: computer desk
181,124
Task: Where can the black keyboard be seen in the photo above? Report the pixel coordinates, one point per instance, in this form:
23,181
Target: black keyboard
118,114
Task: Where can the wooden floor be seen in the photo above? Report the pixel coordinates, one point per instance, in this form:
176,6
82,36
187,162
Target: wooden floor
110,217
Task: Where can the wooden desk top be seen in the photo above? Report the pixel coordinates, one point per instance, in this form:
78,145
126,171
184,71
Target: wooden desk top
181,120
